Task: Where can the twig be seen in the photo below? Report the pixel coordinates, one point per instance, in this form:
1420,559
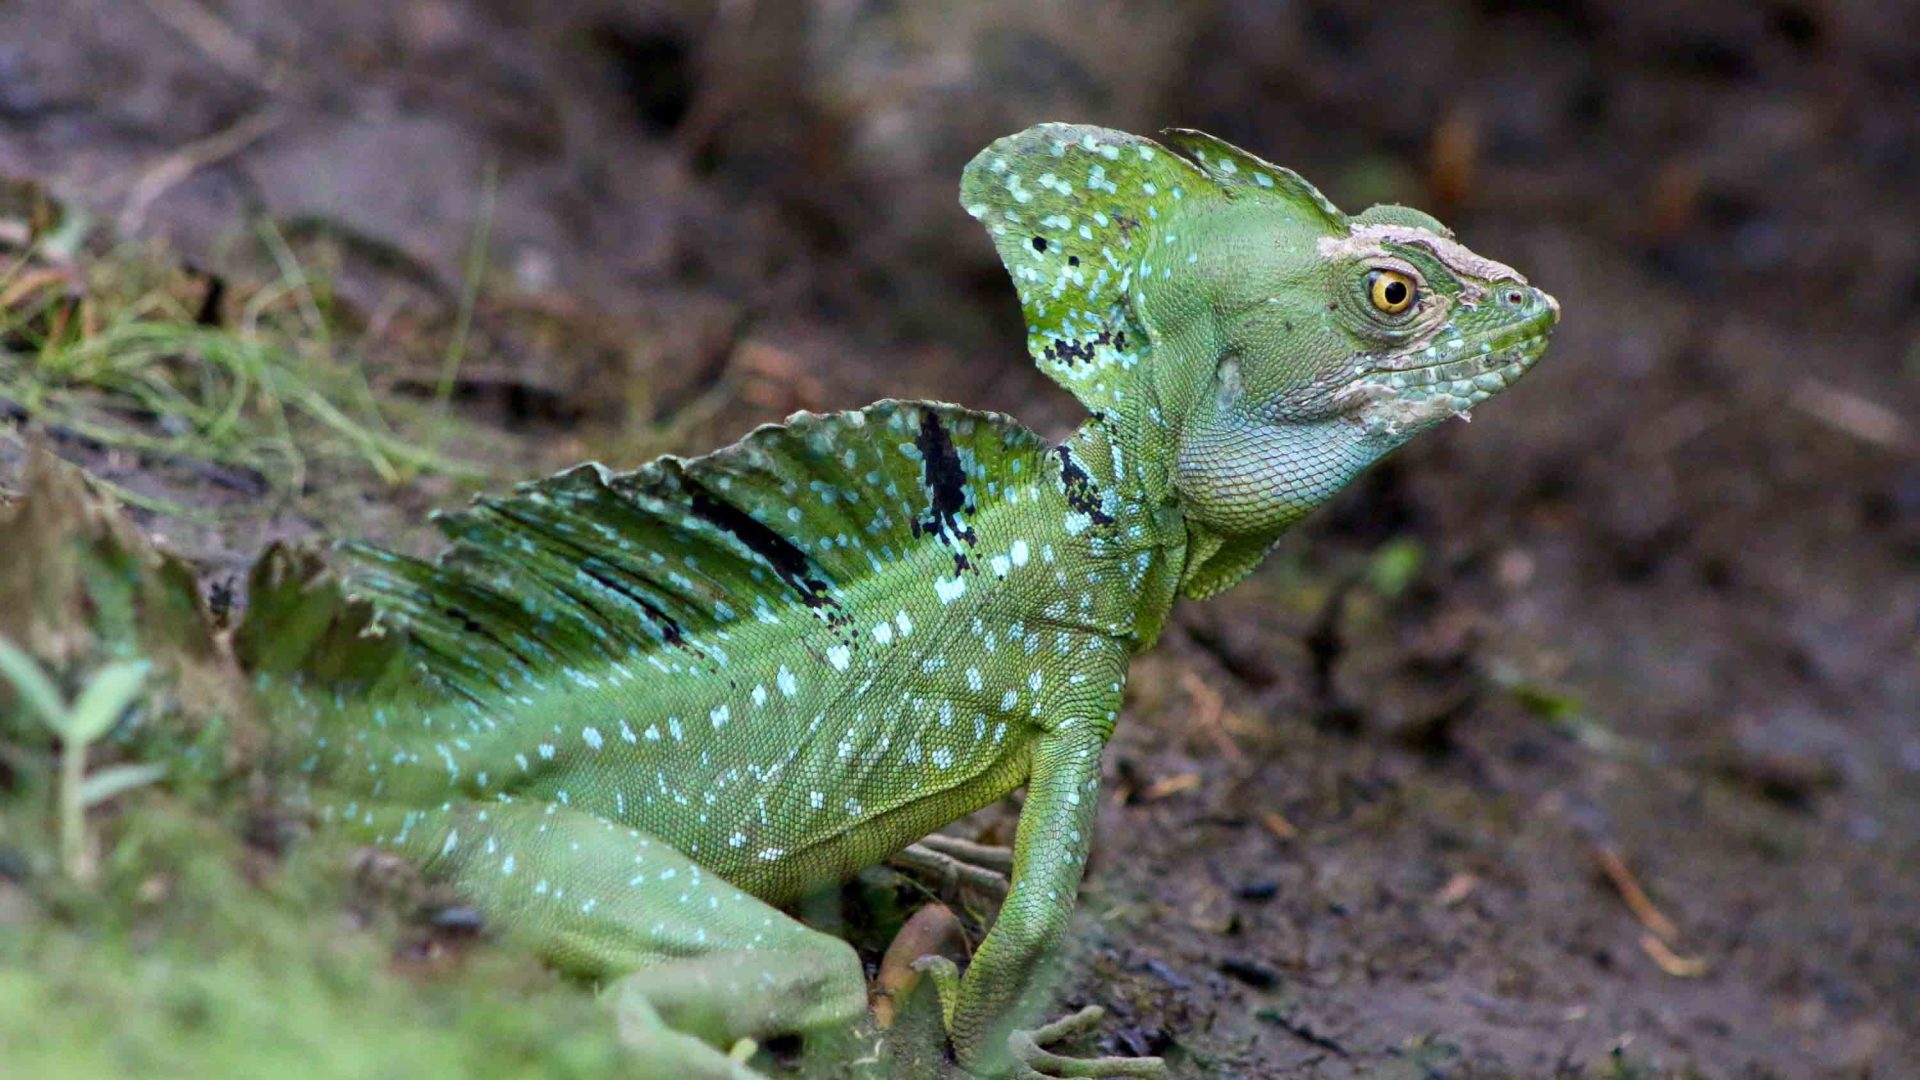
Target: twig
931,931
204,30
1277,824
1636,898
1301,1030
163,175
1457,889
1680,967
1169,786
1209,717
1849,413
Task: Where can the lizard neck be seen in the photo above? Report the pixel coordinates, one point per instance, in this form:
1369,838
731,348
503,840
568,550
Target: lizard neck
1242,483
1223,481
1126,458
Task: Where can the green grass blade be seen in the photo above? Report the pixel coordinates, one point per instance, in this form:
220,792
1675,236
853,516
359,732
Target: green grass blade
106,696
104,784
31,683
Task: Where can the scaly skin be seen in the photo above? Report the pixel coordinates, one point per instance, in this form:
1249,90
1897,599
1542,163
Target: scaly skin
628,714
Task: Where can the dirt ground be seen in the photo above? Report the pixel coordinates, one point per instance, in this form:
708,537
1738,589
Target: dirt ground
1657,608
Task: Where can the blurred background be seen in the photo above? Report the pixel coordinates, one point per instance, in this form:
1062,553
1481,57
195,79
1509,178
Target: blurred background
1584,737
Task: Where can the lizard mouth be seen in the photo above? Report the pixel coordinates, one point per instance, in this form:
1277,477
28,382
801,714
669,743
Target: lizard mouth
1447,380
1508,353
1461,356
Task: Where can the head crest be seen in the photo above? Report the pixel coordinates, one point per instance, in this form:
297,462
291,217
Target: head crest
1084,219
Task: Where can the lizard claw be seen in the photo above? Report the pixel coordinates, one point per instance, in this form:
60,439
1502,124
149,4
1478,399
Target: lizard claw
995,857
958,864
946,983
1035,1063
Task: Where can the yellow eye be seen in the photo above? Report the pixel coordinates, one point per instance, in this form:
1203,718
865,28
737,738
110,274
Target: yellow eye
1391,291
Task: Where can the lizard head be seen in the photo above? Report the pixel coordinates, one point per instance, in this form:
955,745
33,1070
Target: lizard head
1220,310
1318,344
1386,322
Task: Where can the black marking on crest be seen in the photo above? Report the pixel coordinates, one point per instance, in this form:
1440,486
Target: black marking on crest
1072,352
468,624
478,629
787,560
459,614
670,629
946,484
612,579
1082,493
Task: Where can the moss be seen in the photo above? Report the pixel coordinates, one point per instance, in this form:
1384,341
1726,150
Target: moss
176,963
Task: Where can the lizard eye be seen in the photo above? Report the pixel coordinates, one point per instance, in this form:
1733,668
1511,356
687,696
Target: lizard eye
1391,291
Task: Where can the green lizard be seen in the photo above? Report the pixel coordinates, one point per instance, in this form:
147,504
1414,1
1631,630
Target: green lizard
628,714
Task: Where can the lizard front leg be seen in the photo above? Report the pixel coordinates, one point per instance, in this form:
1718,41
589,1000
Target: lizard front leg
1049,854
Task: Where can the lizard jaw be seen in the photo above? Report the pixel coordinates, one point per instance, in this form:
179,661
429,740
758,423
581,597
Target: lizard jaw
1394,402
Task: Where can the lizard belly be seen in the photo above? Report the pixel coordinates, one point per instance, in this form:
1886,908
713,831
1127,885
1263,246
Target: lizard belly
782,780
783,791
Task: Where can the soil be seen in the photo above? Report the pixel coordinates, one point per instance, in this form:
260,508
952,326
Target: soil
1657,609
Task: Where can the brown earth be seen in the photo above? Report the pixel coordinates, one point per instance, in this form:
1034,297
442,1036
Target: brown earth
1660,603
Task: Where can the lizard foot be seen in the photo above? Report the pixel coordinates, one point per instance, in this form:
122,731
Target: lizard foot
1035,1063
1030,1060
954,864
656,1049
995,857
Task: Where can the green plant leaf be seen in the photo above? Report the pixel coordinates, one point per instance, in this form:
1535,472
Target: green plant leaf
104,784
31,683
1396,565
107,695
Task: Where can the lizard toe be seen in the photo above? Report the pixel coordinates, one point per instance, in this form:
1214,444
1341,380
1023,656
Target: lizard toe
1036,1063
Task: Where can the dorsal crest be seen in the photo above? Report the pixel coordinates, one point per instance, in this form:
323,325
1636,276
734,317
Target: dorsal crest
1086,220
675,567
